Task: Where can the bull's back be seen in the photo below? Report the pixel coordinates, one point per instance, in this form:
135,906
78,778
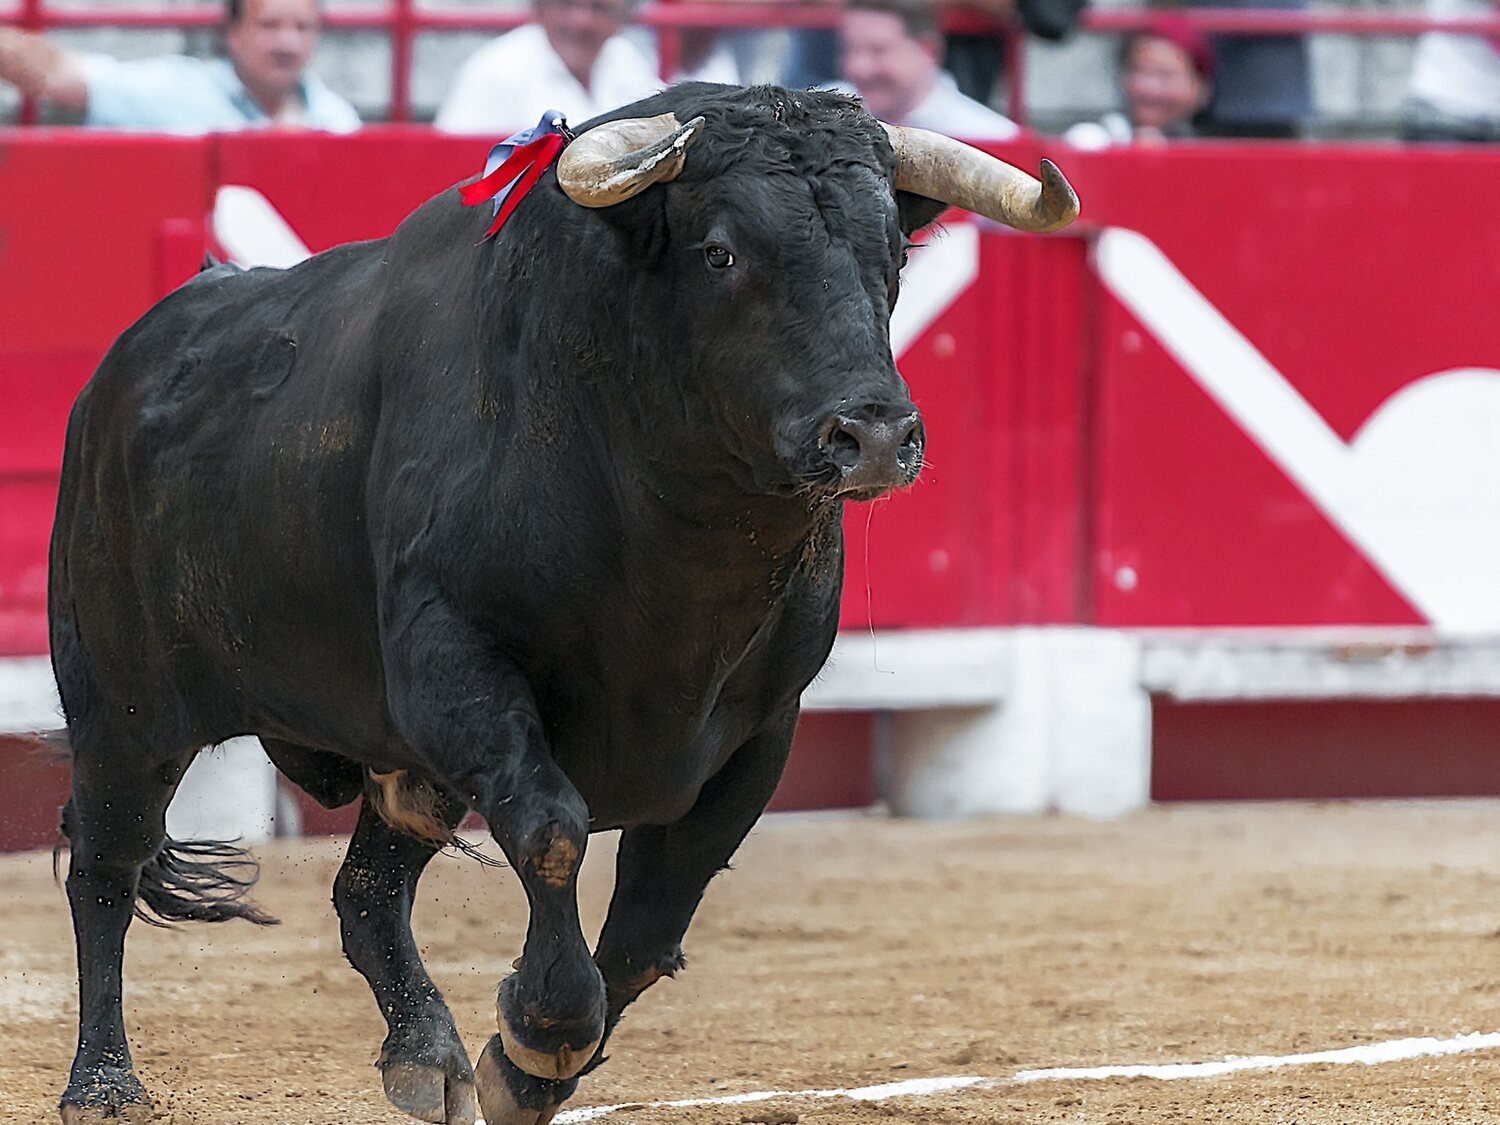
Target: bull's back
209,547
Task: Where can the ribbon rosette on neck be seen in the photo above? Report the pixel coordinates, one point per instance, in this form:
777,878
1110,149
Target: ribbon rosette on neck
515,165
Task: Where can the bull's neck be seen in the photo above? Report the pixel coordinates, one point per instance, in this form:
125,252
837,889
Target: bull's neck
726,523
724,564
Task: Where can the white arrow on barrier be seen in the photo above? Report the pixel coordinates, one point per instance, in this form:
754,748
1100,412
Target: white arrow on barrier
1417,490
935,276
252,231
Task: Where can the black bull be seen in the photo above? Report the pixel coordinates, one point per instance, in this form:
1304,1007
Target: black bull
547,528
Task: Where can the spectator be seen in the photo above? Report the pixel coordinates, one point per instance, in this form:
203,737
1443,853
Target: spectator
262,82
1166,76
703,55
812,55
975,60
573,59
1455,79
1262,87
889,56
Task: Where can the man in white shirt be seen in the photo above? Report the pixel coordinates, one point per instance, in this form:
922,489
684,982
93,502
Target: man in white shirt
263,81
1455,79
890,54
572,59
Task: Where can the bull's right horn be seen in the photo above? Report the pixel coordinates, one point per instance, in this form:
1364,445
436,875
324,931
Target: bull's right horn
941,168
619,159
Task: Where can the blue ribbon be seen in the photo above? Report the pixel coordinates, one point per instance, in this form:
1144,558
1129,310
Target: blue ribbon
553,121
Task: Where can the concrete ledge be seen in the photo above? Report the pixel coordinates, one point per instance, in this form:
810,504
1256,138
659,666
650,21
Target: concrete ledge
916,669
1346,663
980,721
1021,720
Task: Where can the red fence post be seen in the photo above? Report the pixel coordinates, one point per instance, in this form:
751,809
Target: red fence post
403,29
402,21
1015,74
32,19
668,51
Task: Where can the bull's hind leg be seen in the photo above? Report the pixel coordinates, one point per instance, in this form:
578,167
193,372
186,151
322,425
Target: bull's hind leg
115,823
423,1064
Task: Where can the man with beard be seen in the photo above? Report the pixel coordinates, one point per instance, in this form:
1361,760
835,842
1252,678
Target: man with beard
890,53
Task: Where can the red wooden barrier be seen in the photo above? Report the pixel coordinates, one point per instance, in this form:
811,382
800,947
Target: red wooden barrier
1085,469
1078,473
1356,271
92,230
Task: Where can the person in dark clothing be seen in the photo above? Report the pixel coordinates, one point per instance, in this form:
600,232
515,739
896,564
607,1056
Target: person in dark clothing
1262,85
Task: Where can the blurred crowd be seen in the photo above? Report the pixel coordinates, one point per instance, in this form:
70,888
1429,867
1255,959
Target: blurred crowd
581,57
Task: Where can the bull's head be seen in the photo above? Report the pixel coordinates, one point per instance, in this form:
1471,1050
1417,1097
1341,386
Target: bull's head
782,244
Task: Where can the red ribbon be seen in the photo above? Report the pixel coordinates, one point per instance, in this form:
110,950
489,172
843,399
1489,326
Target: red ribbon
528,162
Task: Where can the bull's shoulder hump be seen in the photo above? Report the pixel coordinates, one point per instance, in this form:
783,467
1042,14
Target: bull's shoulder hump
227,305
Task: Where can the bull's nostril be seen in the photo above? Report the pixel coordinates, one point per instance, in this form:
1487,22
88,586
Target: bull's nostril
843,447
909,451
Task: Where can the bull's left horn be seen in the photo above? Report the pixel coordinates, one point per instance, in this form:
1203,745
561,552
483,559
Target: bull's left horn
941,168
619,159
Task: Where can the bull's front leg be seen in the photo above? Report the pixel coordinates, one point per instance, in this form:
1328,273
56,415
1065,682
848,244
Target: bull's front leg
471,715
661,874
663,871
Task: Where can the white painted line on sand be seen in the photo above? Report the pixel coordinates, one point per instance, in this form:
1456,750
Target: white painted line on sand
1370,1054
913,1088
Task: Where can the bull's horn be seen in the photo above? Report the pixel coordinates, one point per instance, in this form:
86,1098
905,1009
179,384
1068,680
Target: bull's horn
619,159
941,168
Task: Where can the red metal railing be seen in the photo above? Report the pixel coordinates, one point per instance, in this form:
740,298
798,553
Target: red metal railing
403,20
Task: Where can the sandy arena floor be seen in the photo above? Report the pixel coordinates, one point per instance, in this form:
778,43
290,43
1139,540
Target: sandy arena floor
851,951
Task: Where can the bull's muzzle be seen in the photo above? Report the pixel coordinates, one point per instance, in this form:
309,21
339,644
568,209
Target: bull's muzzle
873,450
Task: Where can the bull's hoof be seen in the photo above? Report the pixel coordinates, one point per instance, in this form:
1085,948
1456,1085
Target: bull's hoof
565,1062
546,1049
131,1113
428,1093
113,1095
496,1075
426,1071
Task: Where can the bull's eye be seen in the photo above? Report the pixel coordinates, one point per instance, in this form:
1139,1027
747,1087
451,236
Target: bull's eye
718,257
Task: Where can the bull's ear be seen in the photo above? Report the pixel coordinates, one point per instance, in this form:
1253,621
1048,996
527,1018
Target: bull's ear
642,223
916,211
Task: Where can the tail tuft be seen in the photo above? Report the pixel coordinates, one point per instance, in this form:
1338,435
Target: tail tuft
199,881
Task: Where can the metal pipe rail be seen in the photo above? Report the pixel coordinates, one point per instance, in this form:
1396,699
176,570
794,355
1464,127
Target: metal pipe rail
404,20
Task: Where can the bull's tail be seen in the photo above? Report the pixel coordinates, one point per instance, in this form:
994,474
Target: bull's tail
186,881
199,881
193,881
